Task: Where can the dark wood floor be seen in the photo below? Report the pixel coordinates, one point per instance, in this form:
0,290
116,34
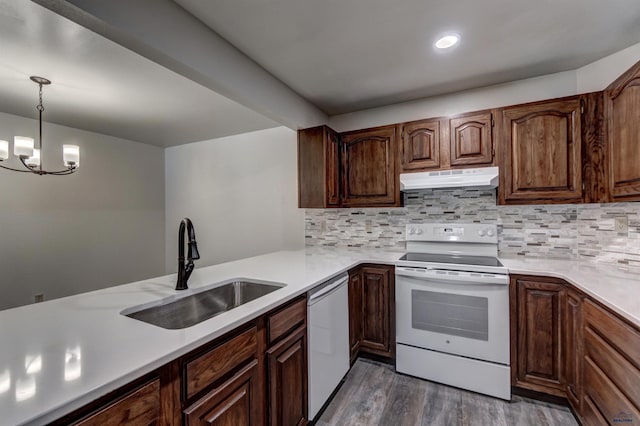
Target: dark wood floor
373,394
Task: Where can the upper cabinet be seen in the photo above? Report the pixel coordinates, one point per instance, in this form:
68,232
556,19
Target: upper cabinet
442,143
369,168
471,139
420,145
318,168
622,121
541,145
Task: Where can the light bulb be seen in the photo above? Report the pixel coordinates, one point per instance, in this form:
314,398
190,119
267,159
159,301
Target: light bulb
23,146
71,155
34,160
4,150
447,41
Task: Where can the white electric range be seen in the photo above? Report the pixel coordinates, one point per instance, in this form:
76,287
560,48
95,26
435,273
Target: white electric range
452,308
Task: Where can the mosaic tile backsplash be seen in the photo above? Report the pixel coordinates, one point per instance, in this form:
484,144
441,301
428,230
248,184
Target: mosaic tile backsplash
572,231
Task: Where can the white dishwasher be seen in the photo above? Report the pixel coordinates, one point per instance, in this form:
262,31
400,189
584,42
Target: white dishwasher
328,316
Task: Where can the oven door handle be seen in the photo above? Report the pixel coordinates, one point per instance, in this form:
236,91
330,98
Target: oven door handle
453,277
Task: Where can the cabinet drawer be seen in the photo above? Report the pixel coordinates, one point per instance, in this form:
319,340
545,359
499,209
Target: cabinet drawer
625,376
287,319
619,335
142,407
607,398
205,369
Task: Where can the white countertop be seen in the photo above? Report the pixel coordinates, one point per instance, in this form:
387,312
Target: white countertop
86,348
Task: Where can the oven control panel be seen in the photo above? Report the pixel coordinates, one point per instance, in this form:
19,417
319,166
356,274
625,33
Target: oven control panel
438,232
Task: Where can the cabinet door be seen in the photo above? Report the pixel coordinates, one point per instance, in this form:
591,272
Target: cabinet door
420,145
368,164
378,299
318,168
287,372
540,359
573,349
355,313
332,168
234,403
471,139
622,110
542,152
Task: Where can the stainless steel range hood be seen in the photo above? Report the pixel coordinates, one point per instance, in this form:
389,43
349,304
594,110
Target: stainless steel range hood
480,178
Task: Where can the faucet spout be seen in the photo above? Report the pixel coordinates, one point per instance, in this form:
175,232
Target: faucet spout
186,266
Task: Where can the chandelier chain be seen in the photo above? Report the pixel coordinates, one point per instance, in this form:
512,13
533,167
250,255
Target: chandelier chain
40,107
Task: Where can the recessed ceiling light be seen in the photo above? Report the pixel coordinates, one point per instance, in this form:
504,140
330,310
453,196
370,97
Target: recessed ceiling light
447,41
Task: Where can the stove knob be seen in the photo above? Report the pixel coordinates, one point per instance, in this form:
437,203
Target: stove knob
412,231
481,232
490,233
418,231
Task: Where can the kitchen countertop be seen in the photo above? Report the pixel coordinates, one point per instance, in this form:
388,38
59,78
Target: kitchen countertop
60,355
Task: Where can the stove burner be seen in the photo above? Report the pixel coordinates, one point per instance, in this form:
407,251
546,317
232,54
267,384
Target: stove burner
452,259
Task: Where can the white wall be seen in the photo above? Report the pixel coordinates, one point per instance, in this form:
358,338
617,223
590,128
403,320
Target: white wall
100,227
239,191
592,77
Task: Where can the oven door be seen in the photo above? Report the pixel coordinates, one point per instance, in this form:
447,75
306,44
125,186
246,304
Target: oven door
462,313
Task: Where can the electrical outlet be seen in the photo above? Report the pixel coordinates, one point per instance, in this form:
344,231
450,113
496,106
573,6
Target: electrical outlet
323,226
622,225
37,298
368,225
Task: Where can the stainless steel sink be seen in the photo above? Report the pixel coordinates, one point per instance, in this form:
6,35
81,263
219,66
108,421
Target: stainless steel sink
195,308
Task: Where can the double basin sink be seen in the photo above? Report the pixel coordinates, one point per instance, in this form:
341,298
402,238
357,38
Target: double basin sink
179,311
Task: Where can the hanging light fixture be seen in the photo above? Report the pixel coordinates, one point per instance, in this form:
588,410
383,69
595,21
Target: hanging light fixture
31,157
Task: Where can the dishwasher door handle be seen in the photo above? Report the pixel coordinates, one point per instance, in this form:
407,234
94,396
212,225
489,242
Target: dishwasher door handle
326,291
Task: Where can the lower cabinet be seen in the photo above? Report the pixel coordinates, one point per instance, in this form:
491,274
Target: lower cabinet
611,364
253,375
141,407
539,343
287,375
235,402
372,311
573,349
355,313
568,345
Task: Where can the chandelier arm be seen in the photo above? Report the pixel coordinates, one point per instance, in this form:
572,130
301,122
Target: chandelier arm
60,172
16,170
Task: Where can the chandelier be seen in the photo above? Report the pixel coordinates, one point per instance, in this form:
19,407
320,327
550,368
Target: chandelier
31,157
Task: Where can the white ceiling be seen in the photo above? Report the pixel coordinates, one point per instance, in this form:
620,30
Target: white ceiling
349,55
102,87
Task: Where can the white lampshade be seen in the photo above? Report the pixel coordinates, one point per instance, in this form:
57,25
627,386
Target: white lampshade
71,155
4,150
34,160
23,146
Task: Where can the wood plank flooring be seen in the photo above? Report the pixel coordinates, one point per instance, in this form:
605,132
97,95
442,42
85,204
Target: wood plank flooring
373,394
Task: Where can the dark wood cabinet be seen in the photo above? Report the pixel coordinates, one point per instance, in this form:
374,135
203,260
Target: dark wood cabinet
622,112
355,313
318,168
287,372
140,407
369,168
611,368
573,349
541,146
372,311
471,139
420,145
378,298
236,402
538,321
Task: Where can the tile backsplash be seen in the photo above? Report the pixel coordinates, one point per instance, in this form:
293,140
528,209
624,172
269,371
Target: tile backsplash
571,231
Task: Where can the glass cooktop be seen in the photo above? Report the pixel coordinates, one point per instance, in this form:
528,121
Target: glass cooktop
456,260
